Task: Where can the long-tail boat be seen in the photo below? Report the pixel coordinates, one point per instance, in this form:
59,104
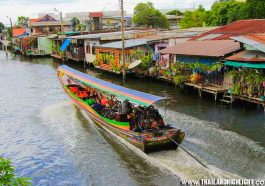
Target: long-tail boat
148,140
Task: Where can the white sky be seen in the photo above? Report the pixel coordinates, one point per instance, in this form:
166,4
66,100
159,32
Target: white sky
31,8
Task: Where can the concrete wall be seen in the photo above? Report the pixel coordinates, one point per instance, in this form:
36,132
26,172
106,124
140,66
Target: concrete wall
44,45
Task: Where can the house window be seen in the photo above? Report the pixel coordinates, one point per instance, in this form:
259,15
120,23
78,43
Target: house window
161,47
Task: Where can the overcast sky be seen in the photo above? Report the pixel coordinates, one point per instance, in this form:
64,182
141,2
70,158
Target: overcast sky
31,8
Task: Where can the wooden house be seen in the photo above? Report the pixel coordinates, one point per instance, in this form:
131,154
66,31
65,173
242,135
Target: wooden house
109,56
47,25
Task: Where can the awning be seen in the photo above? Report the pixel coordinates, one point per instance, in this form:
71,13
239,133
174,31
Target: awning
68,33
65,44
134,96
244,65
52,36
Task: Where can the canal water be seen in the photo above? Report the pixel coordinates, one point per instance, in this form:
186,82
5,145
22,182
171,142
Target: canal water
52,141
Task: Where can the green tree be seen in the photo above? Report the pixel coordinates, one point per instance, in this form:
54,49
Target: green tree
197,18
22,21
7,175
255,9
2,27
75,23
236,12
175,12
146,15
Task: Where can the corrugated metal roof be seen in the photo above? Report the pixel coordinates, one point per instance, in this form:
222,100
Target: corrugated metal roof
251,42
128,44
209,37
108,34
212,48
257,37
242,27
248,56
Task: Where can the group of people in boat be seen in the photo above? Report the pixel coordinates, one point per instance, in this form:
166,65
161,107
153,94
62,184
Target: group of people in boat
140,118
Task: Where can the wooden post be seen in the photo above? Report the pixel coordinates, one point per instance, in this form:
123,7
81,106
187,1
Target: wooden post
215,97
123,43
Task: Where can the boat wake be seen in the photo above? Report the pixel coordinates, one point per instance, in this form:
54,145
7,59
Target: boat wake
227,154
175,162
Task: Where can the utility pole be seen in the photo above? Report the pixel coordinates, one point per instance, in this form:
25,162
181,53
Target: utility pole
61,19
11,34
123,42
11,25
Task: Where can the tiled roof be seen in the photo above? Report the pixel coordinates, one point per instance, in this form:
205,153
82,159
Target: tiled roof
211,48
242,27
33,20
96,14
18,31
248,56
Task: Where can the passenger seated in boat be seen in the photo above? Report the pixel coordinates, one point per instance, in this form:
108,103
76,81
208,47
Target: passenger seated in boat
73,89
91,101
98,107
69,82
82,95
138,123
126,107
104,101
93,94
154,117
154,124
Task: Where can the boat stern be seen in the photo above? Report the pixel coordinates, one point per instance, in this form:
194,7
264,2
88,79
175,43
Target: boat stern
163,140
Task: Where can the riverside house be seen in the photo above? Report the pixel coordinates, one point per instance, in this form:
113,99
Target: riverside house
197,63
39,43
83,47
245,71
109,56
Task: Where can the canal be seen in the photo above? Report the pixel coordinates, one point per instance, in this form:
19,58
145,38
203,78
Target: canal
50,140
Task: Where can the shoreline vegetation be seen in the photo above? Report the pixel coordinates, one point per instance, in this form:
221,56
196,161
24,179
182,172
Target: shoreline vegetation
8,177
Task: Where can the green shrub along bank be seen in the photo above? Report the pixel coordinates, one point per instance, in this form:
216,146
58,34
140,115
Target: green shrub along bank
7,175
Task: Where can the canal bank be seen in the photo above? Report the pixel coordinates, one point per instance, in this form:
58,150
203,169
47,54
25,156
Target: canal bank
228,140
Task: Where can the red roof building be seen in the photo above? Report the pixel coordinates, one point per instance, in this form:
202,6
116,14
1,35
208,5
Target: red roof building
48,25
18,31
242,27
95,14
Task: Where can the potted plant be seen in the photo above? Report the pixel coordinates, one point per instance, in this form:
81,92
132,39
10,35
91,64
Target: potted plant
179,79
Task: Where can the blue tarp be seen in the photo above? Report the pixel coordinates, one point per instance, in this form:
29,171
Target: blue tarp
65,44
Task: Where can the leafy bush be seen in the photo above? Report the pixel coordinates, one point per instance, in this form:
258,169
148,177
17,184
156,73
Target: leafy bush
146,60
7,175
96,62
236,89
180,79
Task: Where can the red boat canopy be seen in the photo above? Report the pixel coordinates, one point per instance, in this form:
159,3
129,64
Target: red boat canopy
134,96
